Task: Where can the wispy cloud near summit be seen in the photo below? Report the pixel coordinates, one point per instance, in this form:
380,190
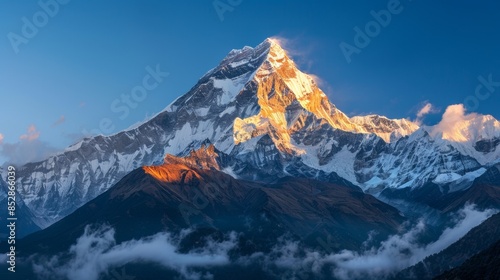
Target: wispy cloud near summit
31,134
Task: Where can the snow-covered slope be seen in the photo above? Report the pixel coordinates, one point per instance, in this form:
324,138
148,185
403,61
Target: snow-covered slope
257,108
472,134
387,129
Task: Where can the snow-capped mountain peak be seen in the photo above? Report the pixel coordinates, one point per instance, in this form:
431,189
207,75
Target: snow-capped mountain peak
472,134
385,128
286,95
258,109
466,128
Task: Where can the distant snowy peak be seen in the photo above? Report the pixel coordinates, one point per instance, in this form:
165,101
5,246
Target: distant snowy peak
387,129
472,128
471,134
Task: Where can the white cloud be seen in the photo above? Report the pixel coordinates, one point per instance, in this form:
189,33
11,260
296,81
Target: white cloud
426,109
452,124
96,252
31,135
320,82
29,148
283,42
297,51
467,218
1,138
59,121
26,151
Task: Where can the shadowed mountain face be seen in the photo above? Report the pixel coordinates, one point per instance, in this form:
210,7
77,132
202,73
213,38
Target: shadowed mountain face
484,265
482,237
483,191
174,196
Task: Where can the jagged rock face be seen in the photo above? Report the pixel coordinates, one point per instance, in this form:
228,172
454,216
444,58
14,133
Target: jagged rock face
269,120
410,162
283,94
387,129
487,146
286,97
204,158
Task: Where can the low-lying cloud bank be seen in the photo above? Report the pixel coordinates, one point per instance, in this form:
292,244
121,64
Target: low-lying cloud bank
96,253
392,255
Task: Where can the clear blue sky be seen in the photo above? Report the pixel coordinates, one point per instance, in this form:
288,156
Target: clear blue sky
64,79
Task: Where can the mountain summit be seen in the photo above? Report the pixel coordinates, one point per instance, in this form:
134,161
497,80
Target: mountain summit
261,113
281,98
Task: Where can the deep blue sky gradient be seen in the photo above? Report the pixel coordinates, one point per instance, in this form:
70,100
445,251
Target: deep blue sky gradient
92,52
